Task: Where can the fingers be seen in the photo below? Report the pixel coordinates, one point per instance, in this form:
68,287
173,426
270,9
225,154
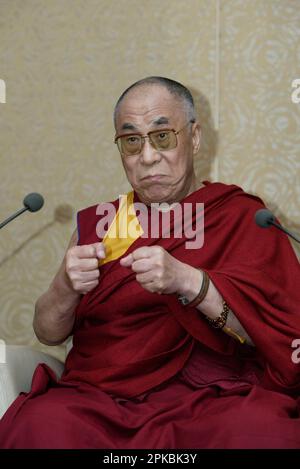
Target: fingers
85,257
142,265
127,261
74,262
155,268
143,269
86,264
84,288
145,252
96,250
85,277
145,277
82,266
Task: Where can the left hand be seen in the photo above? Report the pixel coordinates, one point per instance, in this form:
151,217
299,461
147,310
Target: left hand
156,270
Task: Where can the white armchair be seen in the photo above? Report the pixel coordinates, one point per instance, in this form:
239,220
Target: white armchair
16,370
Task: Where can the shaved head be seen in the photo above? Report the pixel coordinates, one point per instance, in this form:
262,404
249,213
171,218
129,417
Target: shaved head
179,91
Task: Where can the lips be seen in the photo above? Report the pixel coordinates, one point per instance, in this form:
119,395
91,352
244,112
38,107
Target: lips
153,177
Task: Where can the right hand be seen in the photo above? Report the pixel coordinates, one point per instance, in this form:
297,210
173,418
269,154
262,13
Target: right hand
82,266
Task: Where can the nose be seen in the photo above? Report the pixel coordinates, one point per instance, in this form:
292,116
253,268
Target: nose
148,154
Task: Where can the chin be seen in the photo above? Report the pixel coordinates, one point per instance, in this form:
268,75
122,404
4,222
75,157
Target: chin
155,195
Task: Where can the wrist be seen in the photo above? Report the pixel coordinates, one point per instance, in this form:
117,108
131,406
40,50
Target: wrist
190,281
62,290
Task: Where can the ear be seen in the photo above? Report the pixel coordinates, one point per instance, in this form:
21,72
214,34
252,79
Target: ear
196,136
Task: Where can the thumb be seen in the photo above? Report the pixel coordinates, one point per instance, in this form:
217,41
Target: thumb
99,250
127,261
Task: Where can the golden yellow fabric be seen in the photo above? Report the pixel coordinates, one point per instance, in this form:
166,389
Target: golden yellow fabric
123,231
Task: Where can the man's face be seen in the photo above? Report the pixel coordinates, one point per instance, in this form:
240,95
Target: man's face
156,175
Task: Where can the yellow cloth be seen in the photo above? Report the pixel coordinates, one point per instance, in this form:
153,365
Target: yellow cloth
123,231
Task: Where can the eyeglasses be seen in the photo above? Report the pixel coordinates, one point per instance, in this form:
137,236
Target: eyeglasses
162,140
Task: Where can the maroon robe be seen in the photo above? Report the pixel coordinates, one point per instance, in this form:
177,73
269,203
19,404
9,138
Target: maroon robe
147,372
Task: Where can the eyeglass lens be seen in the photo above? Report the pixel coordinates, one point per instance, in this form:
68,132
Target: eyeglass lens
160,140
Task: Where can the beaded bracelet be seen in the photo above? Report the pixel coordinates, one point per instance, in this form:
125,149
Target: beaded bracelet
220,322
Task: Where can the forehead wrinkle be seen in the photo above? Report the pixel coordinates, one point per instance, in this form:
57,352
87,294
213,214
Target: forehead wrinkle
155,122
145,103
135,116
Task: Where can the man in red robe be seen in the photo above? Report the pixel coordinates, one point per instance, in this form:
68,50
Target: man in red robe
173,347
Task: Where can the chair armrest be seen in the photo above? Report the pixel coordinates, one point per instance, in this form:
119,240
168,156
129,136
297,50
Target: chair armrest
17,370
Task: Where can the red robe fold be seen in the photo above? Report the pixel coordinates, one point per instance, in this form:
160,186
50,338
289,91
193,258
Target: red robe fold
133,347
145,338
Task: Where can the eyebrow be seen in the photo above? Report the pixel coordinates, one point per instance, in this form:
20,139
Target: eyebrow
128,126
159,121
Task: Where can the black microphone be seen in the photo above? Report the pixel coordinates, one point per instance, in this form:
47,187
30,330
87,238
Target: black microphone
264,218
32,202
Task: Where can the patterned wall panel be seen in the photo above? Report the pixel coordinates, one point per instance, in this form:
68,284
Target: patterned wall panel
65,62
259,146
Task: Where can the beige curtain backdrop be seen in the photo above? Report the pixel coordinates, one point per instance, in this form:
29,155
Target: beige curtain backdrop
65,62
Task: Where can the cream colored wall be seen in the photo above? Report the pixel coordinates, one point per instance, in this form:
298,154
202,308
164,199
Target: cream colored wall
65,62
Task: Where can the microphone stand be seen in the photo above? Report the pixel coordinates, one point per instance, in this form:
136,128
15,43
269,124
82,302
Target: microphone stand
289,233
15,215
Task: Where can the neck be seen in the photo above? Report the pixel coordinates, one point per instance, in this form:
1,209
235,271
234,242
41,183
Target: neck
194,186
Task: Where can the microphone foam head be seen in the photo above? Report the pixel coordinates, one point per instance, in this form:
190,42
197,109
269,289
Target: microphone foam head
33,202
264,218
